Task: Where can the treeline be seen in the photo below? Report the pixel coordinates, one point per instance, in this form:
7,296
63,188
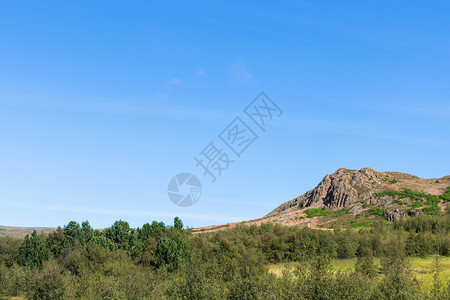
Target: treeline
168,262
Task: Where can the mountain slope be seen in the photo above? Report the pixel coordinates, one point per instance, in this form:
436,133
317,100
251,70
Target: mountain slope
347,188
357,198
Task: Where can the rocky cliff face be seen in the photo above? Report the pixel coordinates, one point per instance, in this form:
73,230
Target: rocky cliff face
356,198
352,188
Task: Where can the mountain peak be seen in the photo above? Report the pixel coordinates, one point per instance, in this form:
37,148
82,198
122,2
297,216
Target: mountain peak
345,188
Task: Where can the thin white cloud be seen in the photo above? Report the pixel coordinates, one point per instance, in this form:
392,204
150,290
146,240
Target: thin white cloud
202,73
155,106
240,73
174,82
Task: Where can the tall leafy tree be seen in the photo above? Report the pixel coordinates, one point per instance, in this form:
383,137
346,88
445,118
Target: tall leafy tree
168,254
73,235
100,239
120,234
87,231
32,252
178,224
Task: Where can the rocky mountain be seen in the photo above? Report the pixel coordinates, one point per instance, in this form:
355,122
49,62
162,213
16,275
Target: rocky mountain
358,198
354,188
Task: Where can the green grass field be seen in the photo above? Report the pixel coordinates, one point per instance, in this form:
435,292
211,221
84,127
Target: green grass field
422,268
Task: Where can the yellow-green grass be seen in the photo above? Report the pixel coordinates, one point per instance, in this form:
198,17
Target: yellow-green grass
422,268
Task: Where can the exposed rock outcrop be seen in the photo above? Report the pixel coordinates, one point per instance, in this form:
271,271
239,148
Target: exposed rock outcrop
414,213
352,188
340,189
393,215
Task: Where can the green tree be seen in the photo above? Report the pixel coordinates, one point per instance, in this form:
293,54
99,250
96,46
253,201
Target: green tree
32,252
120,234
156,229
99,238
365,265
51,282
397,282
168,254
73,235
8,250
87,231
55,242
178,224
365,261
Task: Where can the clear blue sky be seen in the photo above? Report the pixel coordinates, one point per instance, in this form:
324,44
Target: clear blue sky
102,102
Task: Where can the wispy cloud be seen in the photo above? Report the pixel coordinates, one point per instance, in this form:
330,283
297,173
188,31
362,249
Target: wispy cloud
174,82
157,105
240,73
202,73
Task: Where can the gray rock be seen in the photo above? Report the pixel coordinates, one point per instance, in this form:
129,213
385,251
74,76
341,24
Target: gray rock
414,213
356,209
393,215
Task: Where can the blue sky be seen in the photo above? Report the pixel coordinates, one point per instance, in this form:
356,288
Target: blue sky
101,103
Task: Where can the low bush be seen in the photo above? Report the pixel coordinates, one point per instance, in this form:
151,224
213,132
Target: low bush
317,212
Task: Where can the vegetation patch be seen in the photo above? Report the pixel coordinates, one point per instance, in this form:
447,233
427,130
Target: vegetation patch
432,199
446,195
389,180
417,204
431,210
419,199
405,193
388,223
341,212
317,212
375,212
365,205
360,224
399,202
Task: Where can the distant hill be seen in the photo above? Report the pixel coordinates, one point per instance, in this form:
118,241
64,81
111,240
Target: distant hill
358,198
21,232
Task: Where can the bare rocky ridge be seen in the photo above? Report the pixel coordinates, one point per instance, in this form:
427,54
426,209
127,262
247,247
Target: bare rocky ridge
349,196
349,188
